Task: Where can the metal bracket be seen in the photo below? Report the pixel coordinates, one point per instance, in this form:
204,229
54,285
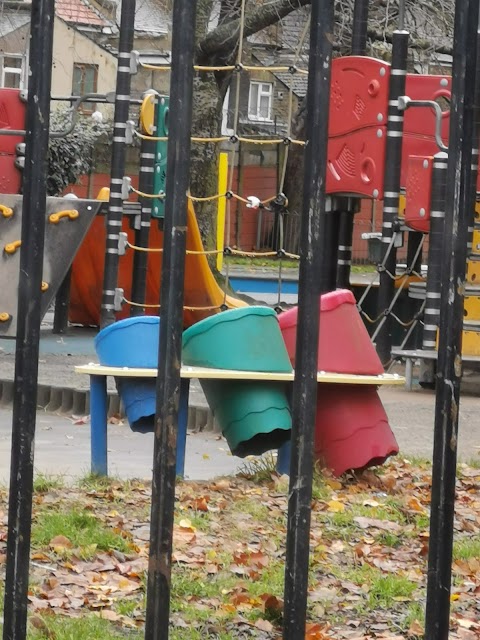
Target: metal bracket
134,61
118,299
129,131
122,243
126,187
404,103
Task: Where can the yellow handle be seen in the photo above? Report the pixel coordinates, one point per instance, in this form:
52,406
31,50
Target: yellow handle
11,247
44,286
6,211
55,218
4,317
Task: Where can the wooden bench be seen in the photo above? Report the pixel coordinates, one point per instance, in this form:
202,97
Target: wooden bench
98,401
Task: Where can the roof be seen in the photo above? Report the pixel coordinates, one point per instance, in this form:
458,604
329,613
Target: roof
12,19
80,12
297,82
151,19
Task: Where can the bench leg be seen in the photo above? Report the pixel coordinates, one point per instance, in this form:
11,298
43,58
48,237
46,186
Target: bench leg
98,425
182,426
283,458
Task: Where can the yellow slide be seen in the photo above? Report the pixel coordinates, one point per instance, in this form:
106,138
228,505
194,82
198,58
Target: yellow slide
201,288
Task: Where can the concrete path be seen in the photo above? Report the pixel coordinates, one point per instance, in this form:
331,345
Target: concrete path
63,448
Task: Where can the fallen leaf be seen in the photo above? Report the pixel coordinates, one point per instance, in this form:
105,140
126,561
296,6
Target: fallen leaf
384,525
264,625
334,506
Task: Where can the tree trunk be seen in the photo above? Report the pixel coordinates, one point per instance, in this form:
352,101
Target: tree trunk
293,186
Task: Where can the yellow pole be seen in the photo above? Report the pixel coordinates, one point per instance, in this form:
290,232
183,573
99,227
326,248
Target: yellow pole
222,206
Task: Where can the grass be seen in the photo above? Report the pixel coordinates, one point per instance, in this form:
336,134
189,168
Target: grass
415,612
286,263
59,628
95,482
84,531
259,469
386,589
474,463
466,549
43,483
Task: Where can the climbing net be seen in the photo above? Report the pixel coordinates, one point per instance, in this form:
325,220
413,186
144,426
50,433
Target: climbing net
277,201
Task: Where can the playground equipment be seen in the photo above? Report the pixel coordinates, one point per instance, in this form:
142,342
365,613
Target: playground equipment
316,270
203,295
67,223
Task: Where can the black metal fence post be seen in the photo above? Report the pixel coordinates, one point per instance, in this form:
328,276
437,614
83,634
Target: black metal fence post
28,326
171,321
460,200
117,171
393,161
311,286
142,233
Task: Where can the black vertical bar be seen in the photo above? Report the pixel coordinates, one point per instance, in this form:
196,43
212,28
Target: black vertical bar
359,27
460,200
171,321
346,213
142,234
433,292
29,318
311,286
62,302
414,254
117,172
331,246
393,161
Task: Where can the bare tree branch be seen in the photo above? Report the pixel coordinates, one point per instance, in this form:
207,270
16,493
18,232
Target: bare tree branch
224,39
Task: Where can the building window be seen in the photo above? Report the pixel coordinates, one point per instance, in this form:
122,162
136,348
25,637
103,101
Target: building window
260,101
12,71
85,78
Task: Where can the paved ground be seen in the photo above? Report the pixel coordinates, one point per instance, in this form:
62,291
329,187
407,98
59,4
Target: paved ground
63,447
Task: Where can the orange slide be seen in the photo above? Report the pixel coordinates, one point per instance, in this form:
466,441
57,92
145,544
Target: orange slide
201,288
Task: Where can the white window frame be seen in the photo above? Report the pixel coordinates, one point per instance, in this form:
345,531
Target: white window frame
17,71
254,109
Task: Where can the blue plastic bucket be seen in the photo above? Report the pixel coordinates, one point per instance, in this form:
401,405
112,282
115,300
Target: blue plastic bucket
133,343
129,343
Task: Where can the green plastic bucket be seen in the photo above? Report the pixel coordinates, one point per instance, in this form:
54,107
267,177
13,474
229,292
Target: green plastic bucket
254,416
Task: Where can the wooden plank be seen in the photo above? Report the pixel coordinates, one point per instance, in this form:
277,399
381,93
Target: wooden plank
203,373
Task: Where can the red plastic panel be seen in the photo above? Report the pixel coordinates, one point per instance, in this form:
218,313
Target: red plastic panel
12,116
356,163
418,193
359,94
421,120
419,129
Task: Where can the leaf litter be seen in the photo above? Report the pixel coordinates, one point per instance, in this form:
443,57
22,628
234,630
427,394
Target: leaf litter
369,546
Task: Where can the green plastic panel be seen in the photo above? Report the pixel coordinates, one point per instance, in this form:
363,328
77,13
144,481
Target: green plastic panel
160,166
